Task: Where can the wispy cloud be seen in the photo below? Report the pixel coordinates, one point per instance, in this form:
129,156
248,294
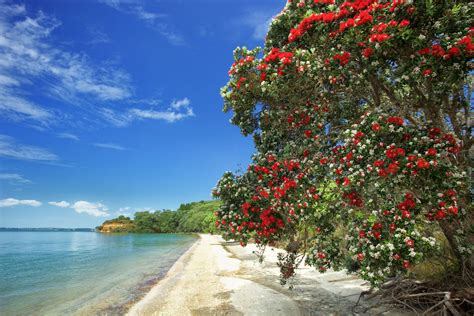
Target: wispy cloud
109,146
259,22
168,116
84,207
14,178
29,58
68,136
9,148
14,202
149,101
153,19
177,110
62,204
97,36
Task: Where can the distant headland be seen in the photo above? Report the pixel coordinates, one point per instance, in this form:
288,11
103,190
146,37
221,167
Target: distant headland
45,229
195,217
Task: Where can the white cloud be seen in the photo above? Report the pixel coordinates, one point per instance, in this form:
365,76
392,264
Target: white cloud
14,202
14,178
153,19
178,104
94,209
84,207
109,146
68,136
29,58
62,204
10,149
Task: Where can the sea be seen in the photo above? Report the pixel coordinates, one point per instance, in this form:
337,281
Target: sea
82,273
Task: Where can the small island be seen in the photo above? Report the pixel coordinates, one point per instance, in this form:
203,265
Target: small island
195,217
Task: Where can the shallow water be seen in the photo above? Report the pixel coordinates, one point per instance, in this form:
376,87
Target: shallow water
81,273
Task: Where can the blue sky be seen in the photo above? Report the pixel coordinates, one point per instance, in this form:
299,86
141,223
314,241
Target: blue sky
112,106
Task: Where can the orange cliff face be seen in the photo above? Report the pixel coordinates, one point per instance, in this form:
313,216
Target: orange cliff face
115,227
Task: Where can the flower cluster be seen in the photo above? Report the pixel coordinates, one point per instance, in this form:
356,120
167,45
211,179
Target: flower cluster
359,112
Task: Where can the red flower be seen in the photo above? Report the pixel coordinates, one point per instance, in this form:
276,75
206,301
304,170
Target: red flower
410,243
360,256
392,168
424,51
422,163
392,227
379,37
450,192
379,163
376,127
406,214
411,157
427,72
437,51
453,210
406,264
440,215
395,120
411,10
245,208
361,234
308,133
377,226
431,152
367,52
342,58
396,257
404,23
363,18
392,153
377,234
454,51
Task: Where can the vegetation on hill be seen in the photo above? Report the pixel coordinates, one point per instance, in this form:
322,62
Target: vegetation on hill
188,218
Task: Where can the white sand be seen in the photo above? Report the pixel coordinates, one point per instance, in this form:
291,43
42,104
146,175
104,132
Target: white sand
215,277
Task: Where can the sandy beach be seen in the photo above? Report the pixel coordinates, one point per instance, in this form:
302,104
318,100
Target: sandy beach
215,277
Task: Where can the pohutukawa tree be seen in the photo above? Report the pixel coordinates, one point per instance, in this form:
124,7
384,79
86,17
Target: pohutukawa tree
361,116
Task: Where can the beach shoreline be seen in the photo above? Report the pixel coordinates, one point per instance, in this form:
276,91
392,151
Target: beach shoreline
215,277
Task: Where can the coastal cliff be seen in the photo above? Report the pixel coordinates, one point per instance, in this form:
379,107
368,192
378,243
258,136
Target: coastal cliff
115,227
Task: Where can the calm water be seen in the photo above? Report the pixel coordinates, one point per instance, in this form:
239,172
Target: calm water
81,273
